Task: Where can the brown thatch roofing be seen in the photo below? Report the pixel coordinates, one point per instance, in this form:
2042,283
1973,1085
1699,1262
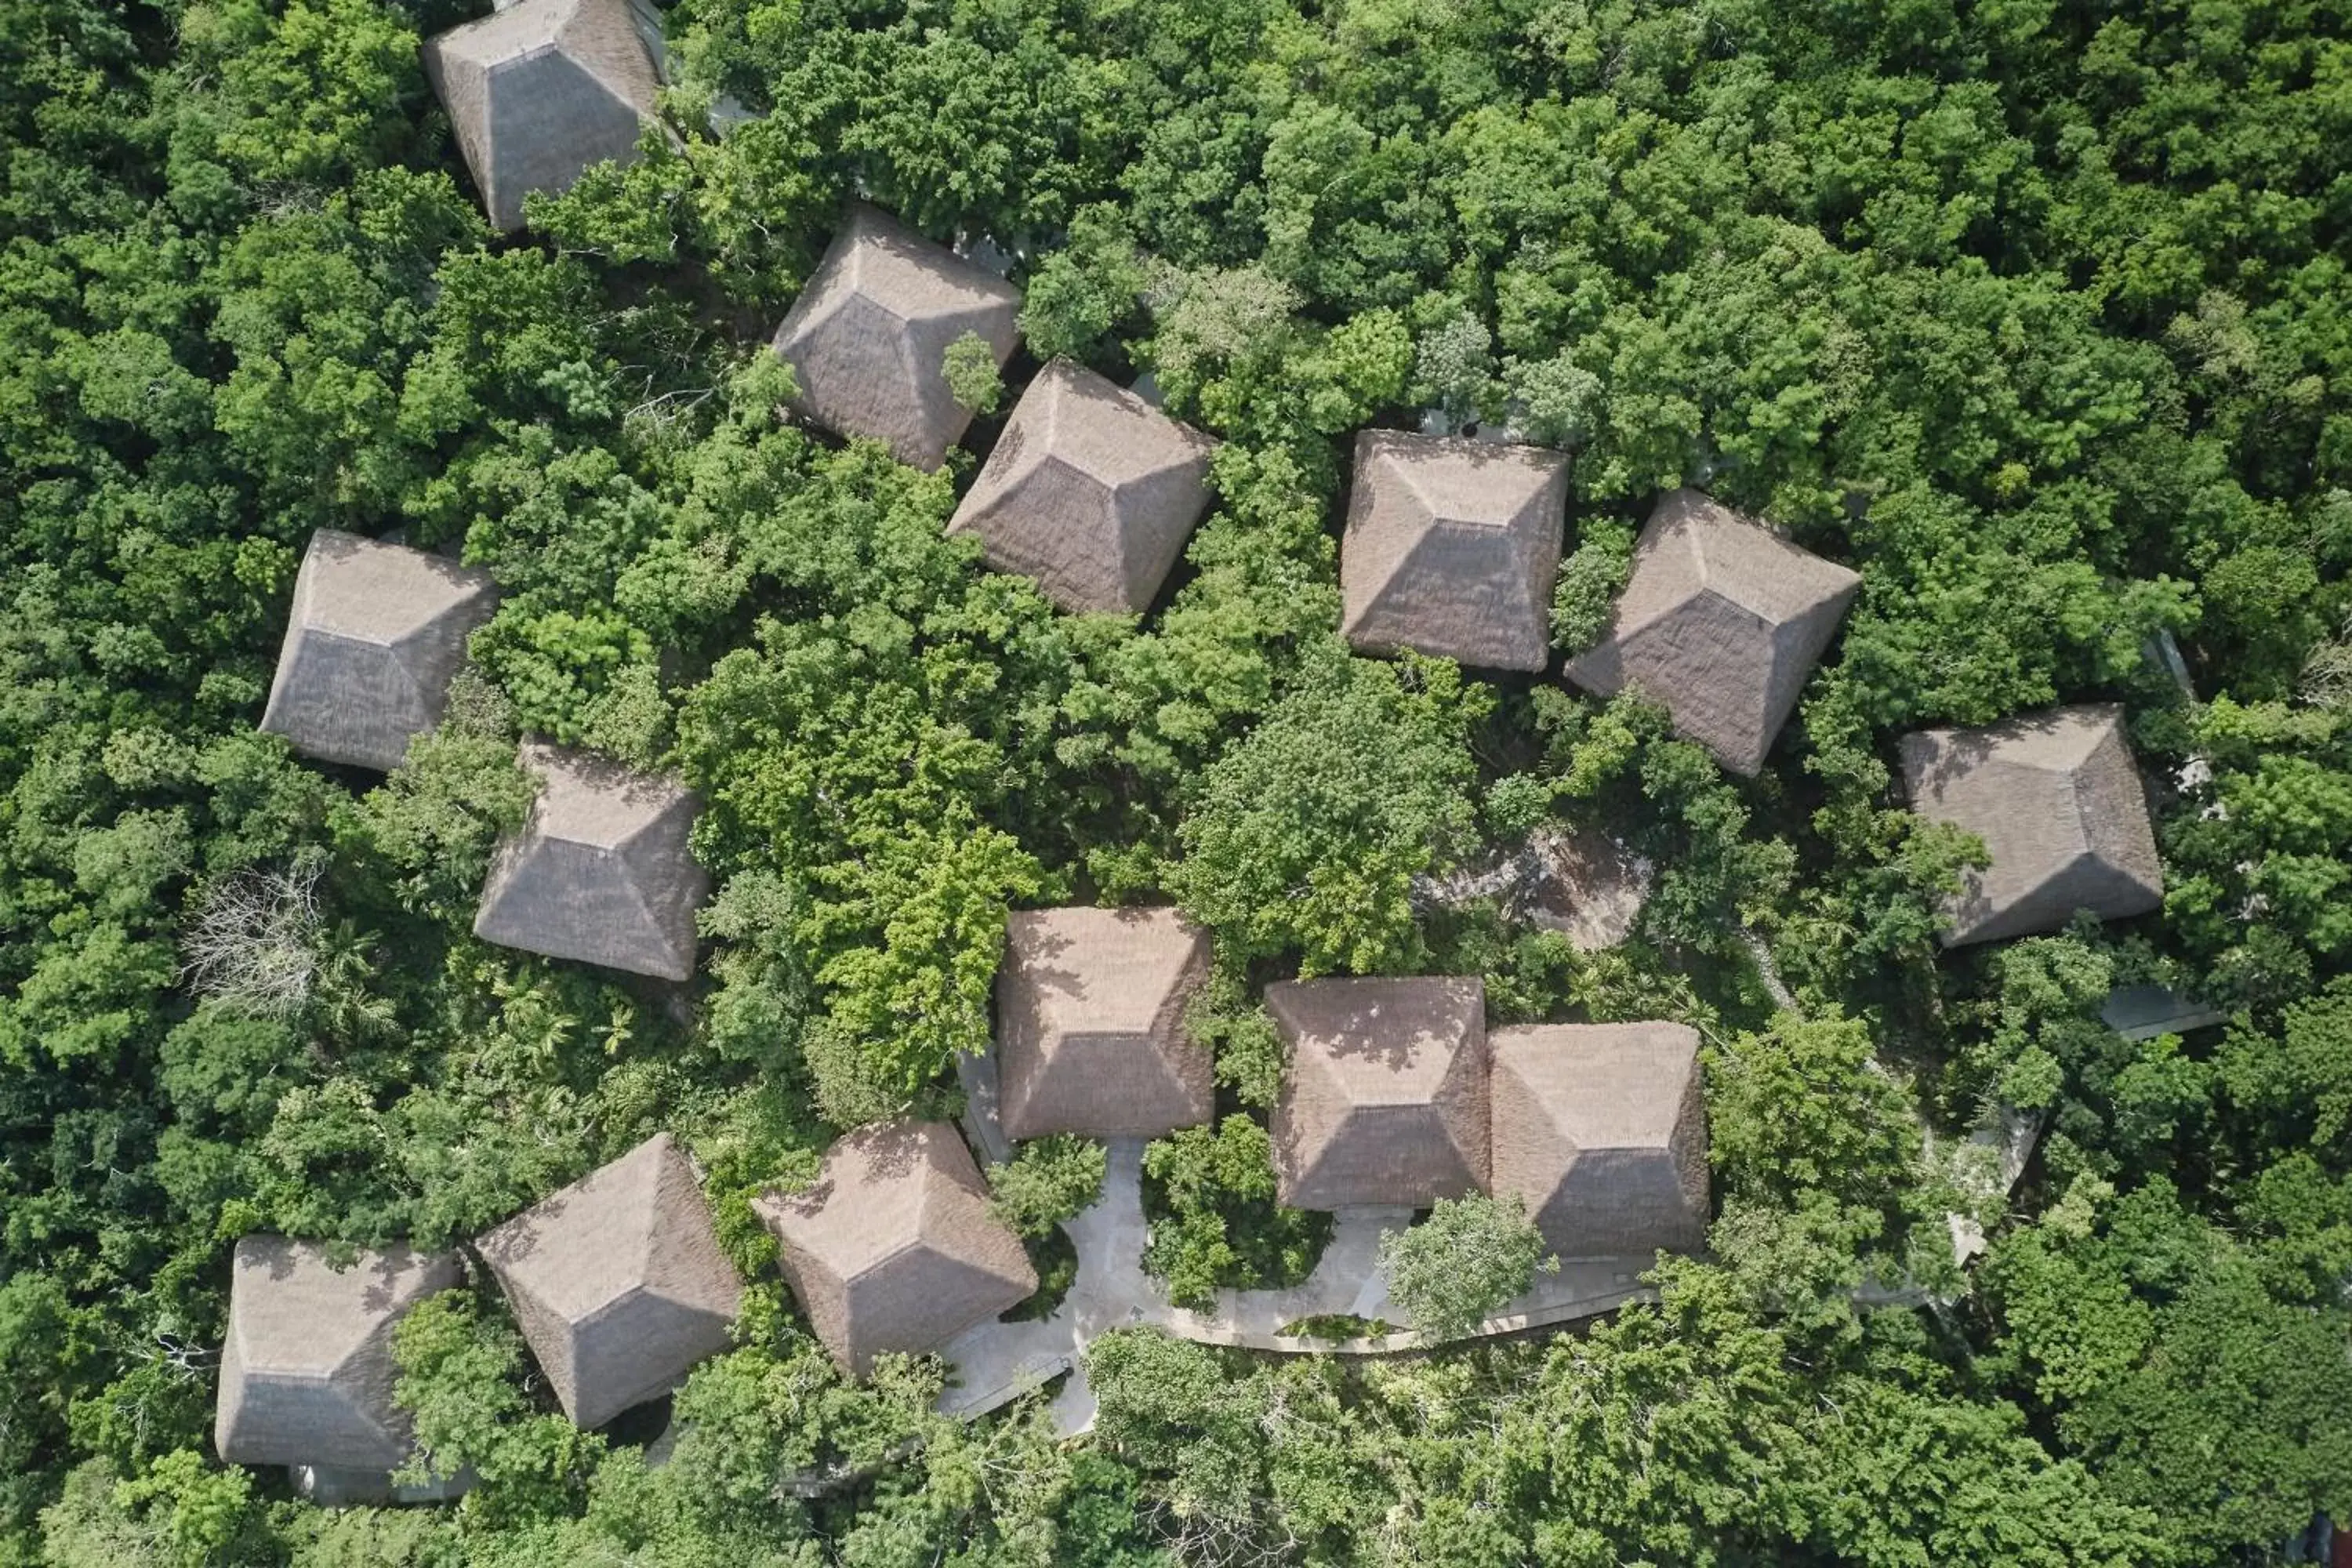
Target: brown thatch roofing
2056,798
1090,490
1385,1101
307,1373
618,1281
1090,1024
1451,548
867,339
1721,624
894,1248
602,872
1601,1128
538,92
376,632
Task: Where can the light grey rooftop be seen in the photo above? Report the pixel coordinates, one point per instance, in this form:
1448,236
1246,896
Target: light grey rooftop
1720,624
1452,548
2144,1011
602,872
307,1373
376,632
867,338
540,89
618,1282
1090,490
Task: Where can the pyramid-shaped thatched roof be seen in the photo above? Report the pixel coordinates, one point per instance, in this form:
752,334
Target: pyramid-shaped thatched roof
376,632
1385,1101
1090,490
307,1373
538,92
867,339
1601,1128
1720,624
1090,1024
894,1248
2056,798
618,1281
1451,548
602,872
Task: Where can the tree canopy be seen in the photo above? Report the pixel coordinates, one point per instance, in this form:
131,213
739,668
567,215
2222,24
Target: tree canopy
2037,316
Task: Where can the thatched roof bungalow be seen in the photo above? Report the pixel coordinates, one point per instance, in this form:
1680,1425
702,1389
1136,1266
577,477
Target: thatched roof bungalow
867,338
1451,548
2056,798
306,1372
538,92
1090,490
893,1248
1090,1033
1385,1101
600,872
618,1282
376,632
1601,1129
1720,624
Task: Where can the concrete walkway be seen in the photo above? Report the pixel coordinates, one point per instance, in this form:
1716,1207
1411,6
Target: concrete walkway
995,1362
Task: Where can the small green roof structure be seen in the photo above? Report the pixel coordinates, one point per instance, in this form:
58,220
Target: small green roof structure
307,1373
1601,1128
1090,490
867,338
602,871
538,92
1720,624
1385,1101
376,632
1090,1024
618,1281
893,1248
1452,547
2056,798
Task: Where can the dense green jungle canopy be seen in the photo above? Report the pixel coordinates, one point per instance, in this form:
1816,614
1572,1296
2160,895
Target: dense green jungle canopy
2036,312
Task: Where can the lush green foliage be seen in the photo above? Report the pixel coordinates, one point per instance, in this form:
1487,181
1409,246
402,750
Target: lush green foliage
2038,315
1047,1180
1469,1257
1211,1193
1306,837
1685,1434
